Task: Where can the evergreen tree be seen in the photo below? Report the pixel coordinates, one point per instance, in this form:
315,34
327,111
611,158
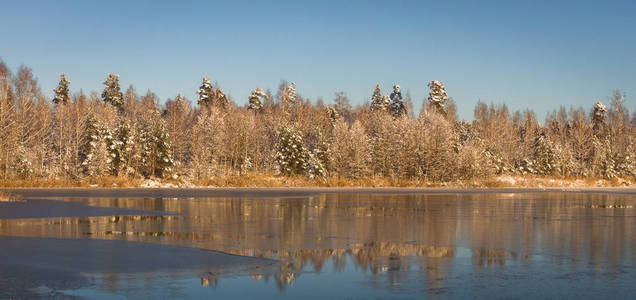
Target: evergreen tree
156,155
332,114
598,117
289,96
255,103
547,160
208,95
120,146
62,92
397,105
377,102
93,154
112,92
437,97
292,157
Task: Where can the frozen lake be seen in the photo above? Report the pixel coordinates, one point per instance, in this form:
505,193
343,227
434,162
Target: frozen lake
275,244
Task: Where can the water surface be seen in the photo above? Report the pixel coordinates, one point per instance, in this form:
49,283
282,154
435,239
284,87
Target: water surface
339,245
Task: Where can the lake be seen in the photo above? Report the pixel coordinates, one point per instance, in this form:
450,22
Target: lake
353,245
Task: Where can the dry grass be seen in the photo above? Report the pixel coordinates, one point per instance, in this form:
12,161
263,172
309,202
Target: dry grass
106,181
9,197
271,180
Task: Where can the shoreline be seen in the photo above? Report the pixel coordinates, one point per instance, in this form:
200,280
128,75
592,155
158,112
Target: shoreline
275,192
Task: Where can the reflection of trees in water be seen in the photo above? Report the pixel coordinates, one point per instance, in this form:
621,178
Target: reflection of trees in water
377,233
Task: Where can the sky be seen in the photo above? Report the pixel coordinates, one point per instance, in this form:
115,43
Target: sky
526,54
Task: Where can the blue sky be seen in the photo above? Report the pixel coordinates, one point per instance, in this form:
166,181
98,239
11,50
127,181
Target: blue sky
527,54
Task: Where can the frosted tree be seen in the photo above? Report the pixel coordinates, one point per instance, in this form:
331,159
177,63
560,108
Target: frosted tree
547,160
397,105
62,91
377,101
93,154
209,95
350,150
289,95
292,156
598,117
112,92
21,165
120,147
206,143
156,155
254,98
437,97
332,114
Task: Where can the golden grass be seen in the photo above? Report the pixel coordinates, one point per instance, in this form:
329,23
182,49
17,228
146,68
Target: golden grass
9,197
271,180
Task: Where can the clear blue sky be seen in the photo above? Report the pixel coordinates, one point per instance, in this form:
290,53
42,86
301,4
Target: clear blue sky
535,54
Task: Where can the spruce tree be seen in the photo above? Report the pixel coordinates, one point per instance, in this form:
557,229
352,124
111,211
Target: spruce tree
112,92
208,95
255,103
292,157
62,92
397,105
206,92
598,117
377,101
437,97
289,96
120,145
156,155
93,154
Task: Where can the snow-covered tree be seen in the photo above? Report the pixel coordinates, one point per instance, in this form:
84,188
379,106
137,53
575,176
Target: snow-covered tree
120,146
598,117
397,105
289,95
156,155
255,103
292,156
209,95
332,114
206,143
547,156
377,101
21,165
350,150
437,97
62,92
206,92
93,153
112,92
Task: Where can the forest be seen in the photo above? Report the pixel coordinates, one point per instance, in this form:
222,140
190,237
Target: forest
116,137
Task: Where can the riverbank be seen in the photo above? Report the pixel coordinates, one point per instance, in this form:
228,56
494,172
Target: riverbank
272,181
278,192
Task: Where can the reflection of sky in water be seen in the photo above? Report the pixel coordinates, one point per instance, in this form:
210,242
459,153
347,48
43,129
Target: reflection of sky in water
361,246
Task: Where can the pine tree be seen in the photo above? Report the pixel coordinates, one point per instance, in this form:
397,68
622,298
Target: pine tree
93,154
156,155
62,92
547,160
437,97
120,145
377,102
208,95
112,92
21,165
255,103
292,157
289,96
332,114
598,117
397,105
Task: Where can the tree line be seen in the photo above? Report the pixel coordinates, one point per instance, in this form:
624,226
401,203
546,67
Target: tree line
122,133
